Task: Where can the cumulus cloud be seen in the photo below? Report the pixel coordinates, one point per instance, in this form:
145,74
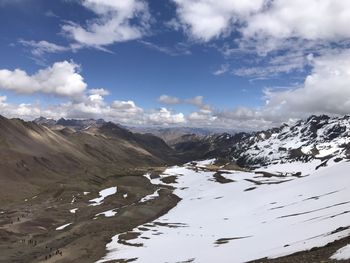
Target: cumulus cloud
325,89
164,116
101,92
117,21
208,19
93,106
267,28
203,117
166,99
312,19
62,79
25,110
280,19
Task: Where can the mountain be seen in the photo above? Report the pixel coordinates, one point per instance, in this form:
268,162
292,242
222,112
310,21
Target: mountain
173,135
33,155
318,137
77,124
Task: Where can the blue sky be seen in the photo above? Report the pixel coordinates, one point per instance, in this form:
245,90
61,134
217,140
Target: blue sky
230,64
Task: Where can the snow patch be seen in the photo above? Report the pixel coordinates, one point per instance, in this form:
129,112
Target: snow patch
63,227
342,254
103,194
108,213
150,197
73,211
205,162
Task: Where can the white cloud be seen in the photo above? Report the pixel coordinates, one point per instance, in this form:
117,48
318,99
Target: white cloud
208,19
196,101
25,110
325,90
222,70
275,65
61,79
176,50
312,19
280,19
116,21
101,92
202,117
128,107
40,48
166,99
165,117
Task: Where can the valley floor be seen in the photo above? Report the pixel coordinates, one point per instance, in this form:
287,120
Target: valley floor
199,212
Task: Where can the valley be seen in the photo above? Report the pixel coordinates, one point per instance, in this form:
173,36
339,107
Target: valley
242,198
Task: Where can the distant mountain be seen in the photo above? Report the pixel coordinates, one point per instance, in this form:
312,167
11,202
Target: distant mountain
77,124
45,121
173,135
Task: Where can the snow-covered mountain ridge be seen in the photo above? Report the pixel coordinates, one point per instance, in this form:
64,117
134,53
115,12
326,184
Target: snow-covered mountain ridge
318,137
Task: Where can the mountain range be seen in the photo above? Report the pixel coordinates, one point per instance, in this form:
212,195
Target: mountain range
90,188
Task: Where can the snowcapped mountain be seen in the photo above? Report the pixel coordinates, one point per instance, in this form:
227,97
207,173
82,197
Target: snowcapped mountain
318,137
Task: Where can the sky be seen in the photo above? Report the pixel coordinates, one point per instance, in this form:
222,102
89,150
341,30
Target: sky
243,65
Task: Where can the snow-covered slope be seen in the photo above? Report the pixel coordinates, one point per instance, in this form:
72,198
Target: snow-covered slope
319,137
293,195
247,216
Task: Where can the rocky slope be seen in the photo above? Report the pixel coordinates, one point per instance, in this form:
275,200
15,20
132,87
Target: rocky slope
33,155
318,137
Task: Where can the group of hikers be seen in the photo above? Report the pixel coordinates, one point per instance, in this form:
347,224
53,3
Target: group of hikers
30,242
55,253
52,251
